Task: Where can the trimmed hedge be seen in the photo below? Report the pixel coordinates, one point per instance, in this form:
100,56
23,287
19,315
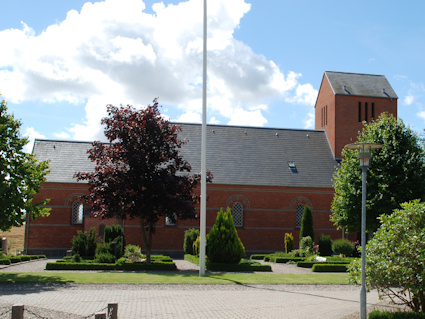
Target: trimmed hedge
242,266
4,261
310,264
126,266
329,268
258,256
376,314
284,260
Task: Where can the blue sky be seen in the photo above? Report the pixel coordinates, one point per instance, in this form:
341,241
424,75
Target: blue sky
62,62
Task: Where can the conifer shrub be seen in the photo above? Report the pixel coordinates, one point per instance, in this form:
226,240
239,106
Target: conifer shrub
307,223
325,245
289,242
84,243
190,236
115,234
223,243
343,247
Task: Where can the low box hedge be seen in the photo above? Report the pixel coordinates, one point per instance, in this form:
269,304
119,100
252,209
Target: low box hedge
258,256
98,266
310,264
376,314
284,260
4,261
243,266
329,268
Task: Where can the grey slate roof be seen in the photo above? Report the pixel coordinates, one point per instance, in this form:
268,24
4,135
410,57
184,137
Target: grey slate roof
360,84
235,156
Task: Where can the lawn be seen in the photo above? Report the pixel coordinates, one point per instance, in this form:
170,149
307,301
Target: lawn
172,278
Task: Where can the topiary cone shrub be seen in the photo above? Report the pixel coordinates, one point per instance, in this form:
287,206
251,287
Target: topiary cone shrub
223,244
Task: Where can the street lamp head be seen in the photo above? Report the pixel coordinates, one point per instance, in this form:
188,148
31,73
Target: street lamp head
364,152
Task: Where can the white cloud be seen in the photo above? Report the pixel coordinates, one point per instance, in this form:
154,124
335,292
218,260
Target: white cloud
31,134
114,52
421,114
408,99
62,135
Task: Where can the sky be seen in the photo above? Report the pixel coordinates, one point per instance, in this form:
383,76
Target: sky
62,62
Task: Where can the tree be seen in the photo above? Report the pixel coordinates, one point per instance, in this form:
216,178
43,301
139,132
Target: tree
395,257
307,223
20,174
140,173
223,243
397,175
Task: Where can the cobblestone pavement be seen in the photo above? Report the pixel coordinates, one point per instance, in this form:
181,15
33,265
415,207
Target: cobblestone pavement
69,301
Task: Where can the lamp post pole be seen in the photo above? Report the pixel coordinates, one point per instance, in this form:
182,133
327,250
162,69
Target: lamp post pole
364,157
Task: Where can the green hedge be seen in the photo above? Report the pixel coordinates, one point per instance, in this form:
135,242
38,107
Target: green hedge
258,256
242,266
310,264
329,268
376,314
4,261
284,260
97,266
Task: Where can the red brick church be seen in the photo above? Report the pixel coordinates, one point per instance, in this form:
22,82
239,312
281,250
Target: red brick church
266,175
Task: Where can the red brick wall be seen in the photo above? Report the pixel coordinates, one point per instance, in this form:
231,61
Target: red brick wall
269,212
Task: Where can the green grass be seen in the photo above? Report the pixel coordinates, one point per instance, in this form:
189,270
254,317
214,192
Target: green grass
173,278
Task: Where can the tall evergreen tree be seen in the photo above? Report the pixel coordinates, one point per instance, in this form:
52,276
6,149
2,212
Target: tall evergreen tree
307,223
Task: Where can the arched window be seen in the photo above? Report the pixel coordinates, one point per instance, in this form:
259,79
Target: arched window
77,212
299,215
237,214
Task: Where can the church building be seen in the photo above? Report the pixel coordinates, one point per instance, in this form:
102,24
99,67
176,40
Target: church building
265,175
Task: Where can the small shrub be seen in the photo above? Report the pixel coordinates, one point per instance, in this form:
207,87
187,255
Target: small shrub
258,256
289,242
115,234
190,236
85,243
133,253
196,246
76,258
4,261
376,314
325,245
105,258
343,247
329,268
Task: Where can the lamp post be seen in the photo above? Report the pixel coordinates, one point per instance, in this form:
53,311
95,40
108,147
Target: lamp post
364,157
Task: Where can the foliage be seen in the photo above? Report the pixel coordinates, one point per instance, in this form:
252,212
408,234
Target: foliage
190,236
307,223
21,175
76,258
306,243
325,245
284,260
289,242
343,247
376,314
329,268
243,265
196,246
395,261
115,235
223,243
133,253
155,265
397,175
104,258
85,243
258,256
140,172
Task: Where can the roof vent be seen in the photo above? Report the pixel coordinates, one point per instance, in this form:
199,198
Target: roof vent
345,89
385,92
292,167
277,134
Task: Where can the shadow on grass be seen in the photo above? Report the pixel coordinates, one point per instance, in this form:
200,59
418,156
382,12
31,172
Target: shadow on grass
27,278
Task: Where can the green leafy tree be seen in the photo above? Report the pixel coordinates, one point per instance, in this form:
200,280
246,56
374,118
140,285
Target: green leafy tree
397,175
223,243
140,173
307,223
395,261
20,174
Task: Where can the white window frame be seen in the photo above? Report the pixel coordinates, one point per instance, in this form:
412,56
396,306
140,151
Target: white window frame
77,213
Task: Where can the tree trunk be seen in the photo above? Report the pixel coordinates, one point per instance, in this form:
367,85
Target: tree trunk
146,241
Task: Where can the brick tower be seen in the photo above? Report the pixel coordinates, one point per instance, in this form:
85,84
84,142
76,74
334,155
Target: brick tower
345,100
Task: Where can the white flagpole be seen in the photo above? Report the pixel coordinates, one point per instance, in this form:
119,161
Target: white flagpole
203,153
